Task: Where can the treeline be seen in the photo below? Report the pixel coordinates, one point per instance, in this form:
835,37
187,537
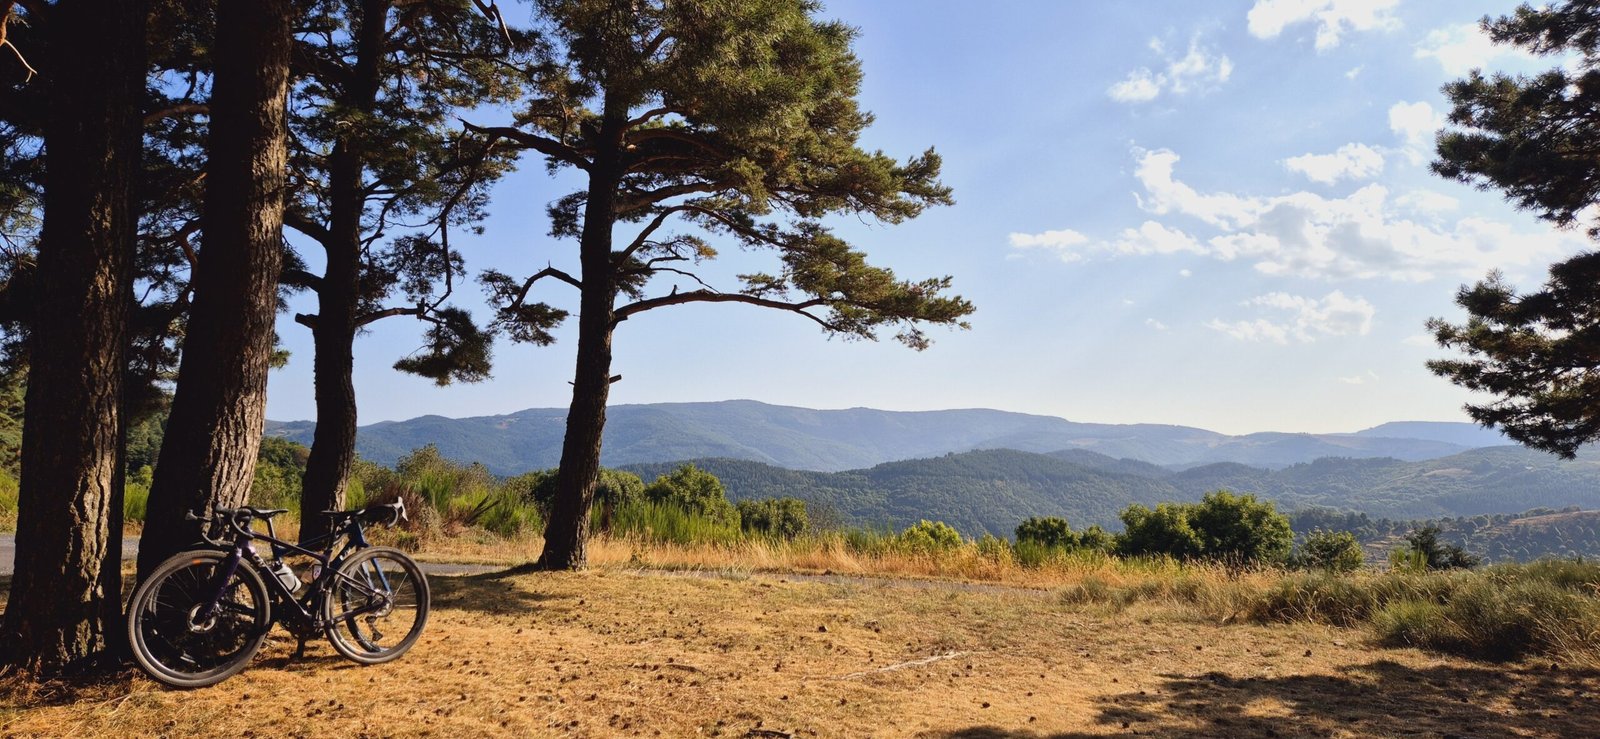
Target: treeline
1534,534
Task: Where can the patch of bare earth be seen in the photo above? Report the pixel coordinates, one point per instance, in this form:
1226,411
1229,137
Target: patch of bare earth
617,653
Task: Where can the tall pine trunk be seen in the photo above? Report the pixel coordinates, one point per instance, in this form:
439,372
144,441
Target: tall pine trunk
208,455
333,443
65,604
566,536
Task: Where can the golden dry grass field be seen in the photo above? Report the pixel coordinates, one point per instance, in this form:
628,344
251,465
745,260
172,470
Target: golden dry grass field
617,651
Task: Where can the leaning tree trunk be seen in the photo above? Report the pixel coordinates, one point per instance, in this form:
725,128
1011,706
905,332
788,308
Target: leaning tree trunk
566,535
208,455
333,443
65,603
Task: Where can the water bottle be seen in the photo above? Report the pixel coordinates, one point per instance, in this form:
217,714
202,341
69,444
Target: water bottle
286,576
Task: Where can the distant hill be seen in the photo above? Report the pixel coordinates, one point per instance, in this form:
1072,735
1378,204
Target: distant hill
836,440
992,490
1463,434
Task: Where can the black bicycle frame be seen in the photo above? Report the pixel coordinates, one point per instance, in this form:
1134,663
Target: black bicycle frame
355,540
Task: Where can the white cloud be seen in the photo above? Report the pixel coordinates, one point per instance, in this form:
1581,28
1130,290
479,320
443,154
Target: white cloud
1061,242
1362,235
1354,72
1140,86
1416,124
1260,330
1303,319
1197,70
1333,18
1370,376
1149,238
1427,202
1185,273
1157,325
1350,162
1465,47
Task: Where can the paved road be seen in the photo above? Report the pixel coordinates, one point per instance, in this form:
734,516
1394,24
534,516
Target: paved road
130,549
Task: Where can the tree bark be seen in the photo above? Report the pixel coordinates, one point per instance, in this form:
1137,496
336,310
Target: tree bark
566,535
208,455
64,609
333,443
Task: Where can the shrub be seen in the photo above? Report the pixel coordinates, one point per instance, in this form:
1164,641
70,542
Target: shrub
1165,530
783,518
1237,529
498,511
613,490
1331,551
135,501
868,541
929,536
668,523
8,501
1438,555
1048,531
1240,529
1096,539
1032,554
995,549
694,490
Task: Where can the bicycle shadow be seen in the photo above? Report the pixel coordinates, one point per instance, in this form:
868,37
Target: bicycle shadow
1380,698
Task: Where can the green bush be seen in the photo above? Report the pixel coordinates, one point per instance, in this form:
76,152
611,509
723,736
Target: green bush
1096,539
1437,555
668,523
871,542
1331,551
995,549
696,491
1237,529
1163,531
1049,531
929,536
8,501
783,518
135,501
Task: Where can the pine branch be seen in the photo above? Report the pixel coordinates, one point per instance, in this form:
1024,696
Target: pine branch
548,147
712,296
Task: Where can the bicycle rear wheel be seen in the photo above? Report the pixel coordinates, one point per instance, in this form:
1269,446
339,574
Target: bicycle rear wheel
171,637
376,606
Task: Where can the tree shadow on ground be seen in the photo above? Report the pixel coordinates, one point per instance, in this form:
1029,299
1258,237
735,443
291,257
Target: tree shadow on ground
488,593
1380,698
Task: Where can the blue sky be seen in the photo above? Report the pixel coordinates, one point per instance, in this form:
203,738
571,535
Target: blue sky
1211,214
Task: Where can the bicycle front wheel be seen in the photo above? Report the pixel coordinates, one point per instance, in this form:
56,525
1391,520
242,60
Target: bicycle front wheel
180,637
376,606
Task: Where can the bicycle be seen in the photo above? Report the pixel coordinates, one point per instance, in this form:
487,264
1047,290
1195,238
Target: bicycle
203,614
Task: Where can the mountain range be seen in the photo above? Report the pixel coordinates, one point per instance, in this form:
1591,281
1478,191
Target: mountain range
856,438
990,491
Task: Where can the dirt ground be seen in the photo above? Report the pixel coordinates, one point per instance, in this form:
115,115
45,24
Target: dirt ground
612,652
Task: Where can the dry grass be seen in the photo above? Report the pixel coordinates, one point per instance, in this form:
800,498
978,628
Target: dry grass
617,652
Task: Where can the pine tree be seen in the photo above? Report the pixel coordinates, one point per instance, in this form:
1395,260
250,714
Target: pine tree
380,180
729,119
208,453
64,607
1532,138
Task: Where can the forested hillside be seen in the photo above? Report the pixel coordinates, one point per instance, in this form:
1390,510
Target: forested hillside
992,490
835,440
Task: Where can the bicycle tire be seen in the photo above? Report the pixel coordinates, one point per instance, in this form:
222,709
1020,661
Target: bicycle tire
164,638
365,579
